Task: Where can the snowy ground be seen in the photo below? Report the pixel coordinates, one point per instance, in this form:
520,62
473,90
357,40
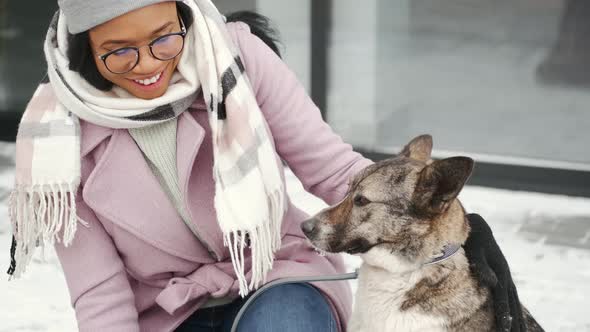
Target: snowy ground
546,239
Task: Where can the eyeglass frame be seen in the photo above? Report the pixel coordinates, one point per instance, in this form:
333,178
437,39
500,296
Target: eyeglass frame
182,33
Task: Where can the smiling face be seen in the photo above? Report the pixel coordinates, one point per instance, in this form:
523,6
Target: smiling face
138,28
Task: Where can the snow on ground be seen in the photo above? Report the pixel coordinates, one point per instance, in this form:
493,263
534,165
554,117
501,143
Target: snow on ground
546,239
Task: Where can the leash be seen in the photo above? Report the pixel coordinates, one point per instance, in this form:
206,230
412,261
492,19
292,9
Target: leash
288,280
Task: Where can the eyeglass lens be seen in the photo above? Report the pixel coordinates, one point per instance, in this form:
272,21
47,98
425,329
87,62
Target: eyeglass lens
163,48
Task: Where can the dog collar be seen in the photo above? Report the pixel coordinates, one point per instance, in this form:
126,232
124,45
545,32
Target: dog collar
447,252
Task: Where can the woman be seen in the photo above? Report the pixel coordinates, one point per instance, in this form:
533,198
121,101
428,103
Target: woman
161,131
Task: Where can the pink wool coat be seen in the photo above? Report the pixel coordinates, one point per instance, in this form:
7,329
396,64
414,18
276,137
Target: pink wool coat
138,267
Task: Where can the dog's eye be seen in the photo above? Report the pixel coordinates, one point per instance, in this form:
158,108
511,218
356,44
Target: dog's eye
361,200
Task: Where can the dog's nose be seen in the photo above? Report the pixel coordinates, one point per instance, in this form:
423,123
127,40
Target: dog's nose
308,226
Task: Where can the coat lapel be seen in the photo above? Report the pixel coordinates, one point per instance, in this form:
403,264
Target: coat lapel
189,136
123,189
196,178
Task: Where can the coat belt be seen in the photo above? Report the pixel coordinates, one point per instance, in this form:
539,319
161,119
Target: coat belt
207,281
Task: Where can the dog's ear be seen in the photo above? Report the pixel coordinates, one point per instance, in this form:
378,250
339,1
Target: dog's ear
440,182
420,148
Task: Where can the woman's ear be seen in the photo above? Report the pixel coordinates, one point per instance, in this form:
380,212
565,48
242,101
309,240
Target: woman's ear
81,60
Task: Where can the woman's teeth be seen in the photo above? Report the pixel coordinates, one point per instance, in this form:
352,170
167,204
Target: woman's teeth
149,81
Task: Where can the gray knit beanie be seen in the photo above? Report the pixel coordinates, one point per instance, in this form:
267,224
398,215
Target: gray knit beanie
82,15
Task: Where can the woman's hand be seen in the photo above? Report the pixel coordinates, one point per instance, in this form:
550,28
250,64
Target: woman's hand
488,265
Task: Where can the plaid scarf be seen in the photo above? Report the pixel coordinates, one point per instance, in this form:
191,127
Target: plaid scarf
249,189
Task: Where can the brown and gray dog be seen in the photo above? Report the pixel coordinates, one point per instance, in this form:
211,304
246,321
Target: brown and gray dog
398,215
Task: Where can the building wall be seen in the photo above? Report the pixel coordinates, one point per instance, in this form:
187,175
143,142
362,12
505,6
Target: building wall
504,80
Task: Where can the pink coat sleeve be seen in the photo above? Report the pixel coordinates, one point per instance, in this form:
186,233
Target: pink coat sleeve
317,156
99,289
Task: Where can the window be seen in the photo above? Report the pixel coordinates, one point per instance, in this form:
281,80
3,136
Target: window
505,80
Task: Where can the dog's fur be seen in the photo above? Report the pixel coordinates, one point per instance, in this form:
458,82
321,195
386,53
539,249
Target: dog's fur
399,214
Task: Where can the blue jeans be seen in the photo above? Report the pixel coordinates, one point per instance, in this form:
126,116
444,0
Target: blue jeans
286,308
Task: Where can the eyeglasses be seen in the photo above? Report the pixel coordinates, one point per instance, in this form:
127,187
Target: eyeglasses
163,48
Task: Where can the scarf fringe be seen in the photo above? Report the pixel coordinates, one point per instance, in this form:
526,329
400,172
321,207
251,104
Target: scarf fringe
264,240
38,215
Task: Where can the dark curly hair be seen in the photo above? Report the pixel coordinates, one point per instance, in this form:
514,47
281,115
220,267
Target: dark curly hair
81,56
